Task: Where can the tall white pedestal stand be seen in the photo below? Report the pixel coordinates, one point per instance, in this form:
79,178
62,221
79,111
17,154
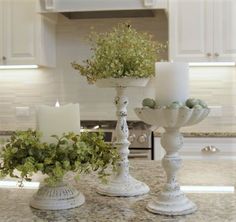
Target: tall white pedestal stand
171,200
122,183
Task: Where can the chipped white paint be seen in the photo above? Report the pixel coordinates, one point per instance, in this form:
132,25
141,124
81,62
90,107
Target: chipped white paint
58,197
171,200
122,184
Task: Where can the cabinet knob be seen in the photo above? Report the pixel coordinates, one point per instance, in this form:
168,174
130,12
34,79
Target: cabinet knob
142,138
131,138
216,54
210,149
208,54
4,58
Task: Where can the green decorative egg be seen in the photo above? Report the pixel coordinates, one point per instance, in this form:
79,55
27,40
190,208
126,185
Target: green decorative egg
202,103
185,107
177,102
191,102
197,106
175,105
149,103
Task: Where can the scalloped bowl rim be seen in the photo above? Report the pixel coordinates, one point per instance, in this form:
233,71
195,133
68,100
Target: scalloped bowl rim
190,116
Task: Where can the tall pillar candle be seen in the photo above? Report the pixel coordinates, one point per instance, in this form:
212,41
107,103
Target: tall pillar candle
172,82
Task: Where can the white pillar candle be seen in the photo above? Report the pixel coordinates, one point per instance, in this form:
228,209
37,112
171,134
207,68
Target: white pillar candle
172,82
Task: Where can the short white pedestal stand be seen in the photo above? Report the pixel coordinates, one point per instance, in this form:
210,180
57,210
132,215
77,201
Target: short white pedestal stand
58,197
122,184
171,200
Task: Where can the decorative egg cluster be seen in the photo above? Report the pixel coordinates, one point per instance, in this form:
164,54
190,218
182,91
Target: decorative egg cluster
190,103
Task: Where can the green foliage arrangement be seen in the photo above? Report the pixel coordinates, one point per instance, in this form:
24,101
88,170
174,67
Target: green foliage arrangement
123,52
79,153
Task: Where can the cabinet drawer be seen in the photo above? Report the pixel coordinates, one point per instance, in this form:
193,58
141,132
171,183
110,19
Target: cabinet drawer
203,148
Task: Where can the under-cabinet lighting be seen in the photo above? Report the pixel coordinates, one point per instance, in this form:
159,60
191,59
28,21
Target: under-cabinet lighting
19,67
207,189
210,64
16,184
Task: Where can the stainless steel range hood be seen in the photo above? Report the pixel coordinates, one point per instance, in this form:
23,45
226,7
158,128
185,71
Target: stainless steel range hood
80,9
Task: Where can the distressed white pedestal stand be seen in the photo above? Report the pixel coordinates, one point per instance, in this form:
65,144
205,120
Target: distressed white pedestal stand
122,184
171,200
58,197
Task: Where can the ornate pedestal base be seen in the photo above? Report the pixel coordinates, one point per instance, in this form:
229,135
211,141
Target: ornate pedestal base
123,187
172,203
59,197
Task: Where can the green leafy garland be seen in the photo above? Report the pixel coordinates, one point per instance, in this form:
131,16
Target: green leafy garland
123,52
79,153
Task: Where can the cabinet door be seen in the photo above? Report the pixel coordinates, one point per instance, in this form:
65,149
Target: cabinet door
19,32
1,32
225,30
190,30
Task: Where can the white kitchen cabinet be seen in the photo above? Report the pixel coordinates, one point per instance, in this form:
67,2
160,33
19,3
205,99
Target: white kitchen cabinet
202,31
225,30
26,37
193,148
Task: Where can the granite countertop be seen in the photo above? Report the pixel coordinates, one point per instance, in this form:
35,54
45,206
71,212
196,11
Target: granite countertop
203,134
217,207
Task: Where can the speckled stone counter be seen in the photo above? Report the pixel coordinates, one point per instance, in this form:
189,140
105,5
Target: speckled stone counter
211,207
203,134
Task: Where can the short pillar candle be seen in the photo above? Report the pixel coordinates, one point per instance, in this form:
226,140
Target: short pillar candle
172,82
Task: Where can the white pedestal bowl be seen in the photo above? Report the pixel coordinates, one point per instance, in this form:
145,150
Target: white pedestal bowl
171,200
